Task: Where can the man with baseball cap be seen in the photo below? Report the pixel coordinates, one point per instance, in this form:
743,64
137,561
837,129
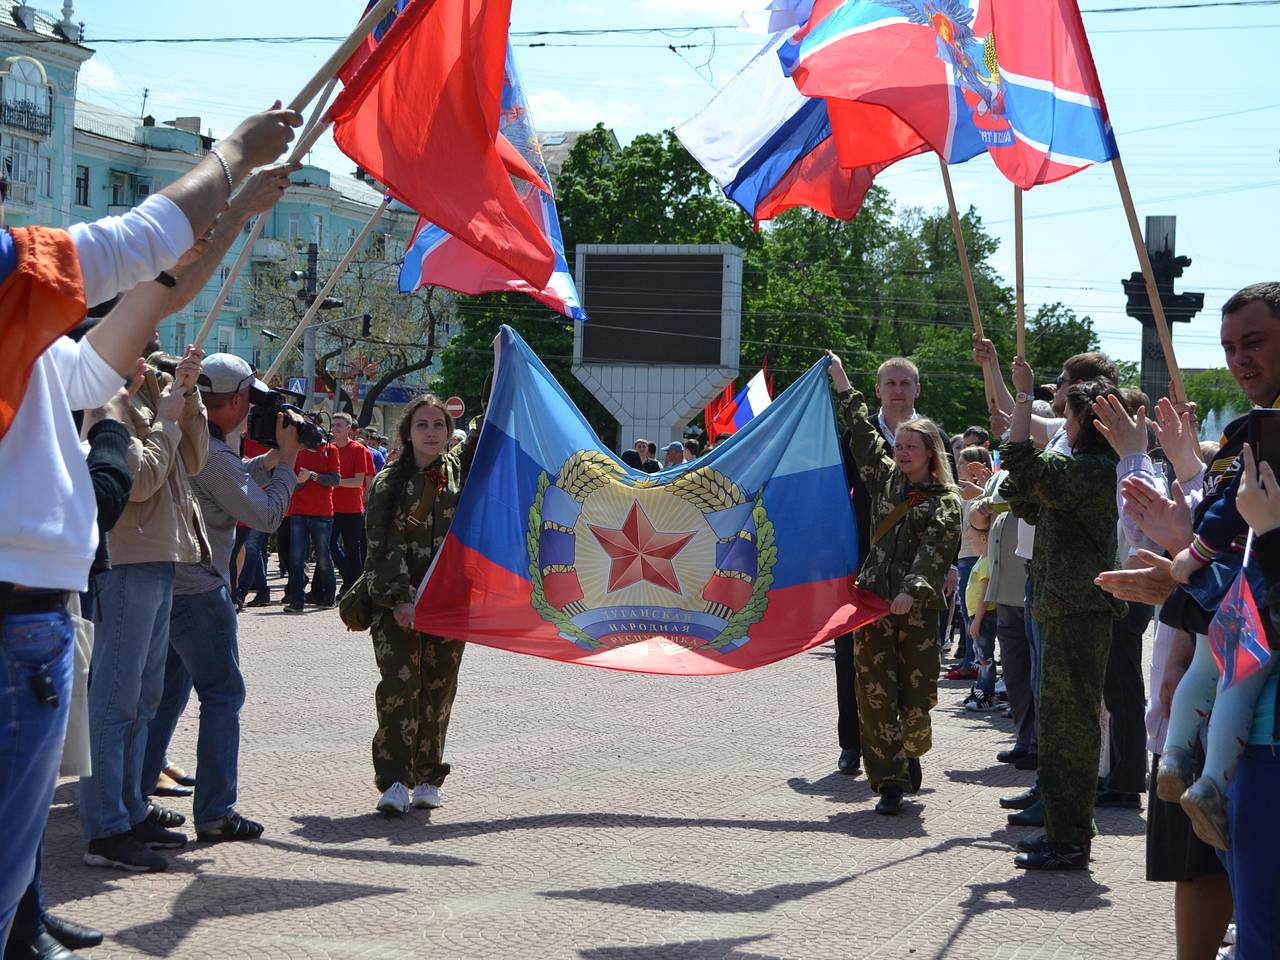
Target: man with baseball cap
202,625
673,454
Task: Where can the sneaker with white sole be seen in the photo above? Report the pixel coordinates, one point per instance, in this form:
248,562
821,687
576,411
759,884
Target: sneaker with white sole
981,703
124,851
426,797
394,800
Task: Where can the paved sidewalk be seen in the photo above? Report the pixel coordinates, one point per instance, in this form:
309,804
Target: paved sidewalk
603,816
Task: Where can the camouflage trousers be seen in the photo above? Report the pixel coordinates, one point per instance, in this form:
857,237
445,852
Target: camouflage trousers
896,659
414,700
1074,662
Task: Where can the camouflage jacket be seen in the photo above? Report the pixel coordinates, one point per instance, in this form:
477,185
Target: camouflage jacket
1072,501
916,554
399,557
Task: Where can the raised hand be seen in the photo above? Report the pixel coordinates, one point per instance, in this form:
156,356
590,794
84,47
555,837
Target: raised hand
1258,496
263,190
1127,435
1024,378
188,371
262,137
1176,431
839,379
1165,521
1152,584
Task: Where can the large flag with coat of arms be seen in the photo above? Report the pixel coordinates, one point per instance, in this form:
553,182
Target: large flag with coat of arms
558,549
1013,78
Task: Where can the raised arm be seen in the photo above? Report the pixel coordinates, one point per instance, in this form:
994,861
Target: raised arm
870,452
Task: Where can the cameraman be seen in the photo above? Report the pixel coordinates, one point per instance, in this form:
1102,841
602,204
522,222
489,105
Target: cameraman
203,620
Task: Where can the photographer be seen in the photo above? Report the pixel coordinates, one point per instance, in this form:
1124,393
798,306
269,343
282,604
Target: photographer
203,619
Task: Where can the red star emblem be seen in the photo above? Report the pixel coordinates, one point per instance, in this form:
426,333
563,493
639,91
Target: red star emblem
639,553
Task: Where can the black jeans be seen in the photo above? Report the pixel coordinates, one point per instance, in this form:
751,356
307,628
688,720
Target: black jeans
847,695
347,546
1125,696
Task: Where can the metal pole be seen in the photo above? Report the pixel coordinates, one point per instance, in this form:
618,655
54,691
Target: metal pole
337,377
309,341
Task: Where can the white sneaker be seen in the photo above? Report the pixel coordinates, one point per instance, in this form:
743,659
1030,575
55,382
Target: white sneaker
395,800
426,797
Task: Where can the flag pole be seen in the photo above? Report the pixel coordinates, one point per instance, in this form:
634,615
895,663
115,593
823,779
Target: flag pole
305,142
341,55
963,251
1177,393
312,310
1020,280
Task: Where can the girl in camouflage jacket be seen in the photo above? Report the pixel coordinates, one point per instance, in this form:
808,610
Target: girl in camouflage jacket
1072,501
897,657
411,504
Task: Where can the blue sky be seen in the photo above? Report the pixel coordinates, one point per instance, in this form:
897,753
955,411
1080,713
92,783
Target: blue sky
1159,69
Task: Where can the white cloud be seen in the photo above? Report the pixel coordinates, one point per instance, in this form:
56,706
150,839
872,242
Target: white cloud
100,78
553,110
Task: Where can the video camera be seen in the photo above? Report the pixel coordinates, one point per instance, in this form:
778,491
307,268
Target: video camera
262,419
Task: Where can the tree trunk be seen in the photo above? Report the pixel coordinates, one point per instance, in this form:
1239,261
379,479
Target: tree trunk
388,378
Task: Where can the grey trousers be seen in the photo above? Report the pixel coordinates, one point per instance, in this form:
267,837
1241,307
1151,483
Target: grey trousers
1015,658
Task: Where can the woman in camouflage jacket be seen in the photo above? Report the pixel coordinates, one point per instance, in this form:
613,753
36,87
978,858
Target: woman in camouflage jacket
897,657
419,671
1072,501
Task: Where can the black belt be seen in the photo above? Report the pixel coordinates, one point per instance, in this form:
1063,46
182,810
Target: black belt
14,600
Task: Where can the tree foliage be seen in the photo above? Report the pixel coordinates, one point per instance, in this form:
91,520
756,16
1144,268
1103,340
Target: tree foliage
1215,391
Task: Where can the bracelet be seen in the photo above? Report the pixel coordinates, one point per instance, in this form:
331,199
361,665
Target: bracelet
165,278
226,168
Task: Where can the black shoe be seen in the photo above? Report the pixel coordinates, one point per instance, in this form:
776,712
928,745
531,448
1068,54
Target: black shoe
1030,762
890,802
124,851
1054,856
164,817
261,600
73,936
233,827
1032,816
1114,798
43,947
1020,801
914,773
151,833
1032,843
1011,755
850,762
293,608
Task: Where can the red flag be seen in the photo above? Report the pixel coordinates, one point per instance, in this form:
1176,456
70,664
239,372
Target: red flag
421,116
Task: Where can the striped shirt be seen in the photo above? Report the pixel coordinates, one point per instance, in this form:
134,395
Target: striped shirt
231,490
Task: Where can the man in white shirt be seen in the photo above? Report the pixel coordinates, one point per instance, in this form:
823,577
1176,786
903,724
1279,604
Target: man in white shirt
48,532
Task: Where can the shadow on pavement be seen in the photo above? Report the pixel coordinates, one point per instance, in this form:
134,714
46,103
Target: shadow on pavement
688,950
835,786
209,896
371,856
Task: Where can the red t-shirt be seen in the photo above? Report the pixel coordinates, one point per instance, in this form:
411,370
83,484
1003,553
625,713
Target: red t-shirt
354,458
252,448
310,499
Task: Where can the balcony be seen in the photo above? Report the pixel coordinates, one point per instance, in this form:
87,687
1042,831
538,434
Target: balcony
21,192
26,115
270,250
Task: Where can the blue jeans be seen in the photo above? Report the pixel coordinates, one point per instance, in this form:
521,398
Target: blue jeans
253,575
203,634
1251,862
173,703
36,663
126,680
308,533
965,565
984,651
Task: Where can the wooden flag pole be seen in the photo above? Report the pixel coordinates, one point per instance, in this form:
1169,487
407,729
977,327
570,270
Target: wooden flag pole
1177,393
1019,279
310,133
963,251
330,68
338,271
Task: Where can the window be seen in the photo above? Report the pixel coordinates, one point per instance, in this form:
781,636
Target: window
295,228
351,238
82,186
23,85
46,177
144,190
222,275
120,189
317,229
224,339
179,338
18,157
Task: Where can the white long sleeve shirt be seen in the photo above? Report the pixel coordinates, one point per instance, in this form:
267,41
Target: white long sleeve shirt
48,527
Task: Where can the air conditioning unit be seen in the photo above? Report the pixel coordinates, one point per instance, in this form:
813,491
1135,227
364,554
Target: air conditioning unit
243,322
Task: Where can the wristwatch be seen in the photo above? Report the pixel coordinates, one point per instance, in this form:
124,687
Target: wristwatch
1024,397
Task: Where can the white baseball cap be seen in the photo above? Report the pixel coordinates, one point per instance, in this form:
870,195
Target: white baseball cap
227,373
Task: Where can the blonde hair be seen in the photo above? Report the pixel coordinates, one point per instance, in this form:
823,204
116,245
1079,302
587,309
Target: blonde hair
931,436
898,363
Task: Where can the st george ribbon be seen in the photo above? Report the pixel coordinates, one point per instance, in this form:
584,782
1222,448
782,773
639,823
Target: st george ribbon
735,560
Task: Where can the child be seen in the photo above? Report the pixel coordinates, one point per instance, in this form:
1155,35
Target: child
982,630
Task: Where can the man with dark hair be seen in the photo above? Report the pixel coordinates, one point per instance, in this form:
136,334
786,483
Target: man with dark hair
977,437
691,451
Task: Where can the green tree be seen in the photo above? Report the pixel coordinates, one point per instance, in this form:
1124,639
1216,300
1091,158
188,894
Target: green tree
1215,391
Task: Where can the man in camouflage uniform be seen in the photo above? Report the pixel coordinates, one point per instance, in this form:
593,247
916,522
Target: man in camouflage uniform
419,672
896,658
